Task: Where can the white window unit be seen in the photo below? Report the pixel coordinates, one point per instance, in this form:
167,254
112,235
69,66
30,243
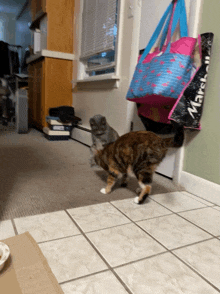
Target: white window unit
99,40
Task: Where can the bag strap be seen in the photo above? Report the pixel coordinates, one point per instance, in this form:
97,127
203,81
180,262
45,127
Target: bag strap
178,15
157,31
183,25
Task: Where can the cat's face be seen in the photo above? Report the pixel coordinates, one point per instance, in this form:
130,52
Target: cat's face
98,125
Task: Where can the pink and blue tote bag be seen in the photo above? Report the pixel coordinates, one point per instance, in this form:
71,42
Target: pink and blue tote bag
161,76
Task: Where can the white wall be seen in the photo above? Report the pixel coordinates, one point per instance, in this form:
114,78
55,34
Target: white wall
109,102
23,33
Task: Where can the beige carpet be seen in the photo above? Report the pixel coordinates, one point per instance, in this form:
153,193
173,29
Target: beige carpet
39,176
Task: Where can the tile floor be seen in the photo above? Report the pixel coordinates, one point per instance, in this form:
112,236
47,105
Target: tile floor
170,244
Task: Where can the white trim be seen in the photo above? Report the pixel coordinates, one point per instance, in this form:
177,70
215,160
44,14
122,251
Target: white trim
98,78
82,136
200,187
118,51
52,54
178,164
134,56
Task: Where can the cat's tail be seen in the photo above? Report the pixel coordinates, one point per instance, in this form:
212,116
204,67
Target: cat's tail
177,140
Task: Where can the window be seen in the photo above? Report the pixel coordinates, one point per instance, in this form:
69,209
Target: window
99,35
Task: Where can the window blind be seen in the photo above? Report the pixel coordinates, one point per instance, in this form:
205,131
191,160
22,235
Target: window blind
98,21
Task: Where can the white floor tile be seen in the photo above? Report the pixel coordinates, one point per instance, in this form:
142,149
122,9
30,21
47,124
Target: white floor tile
102,283
205,258
206,218
163,274
6,230
135,212
96,217
123,244
177,201
71,258
48,226
173,231
216,207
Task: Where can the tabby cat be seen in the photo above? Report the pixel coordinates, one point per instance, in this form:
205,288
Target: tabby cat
102,133
137,152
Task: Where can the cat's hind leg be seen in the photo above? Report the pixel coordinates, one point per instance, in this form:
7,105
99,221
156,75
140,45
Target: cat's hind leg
144,181
112,178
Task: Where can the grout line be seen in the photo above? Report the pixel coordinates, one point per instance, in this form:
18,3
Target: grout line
171,250
14,226
86,276
144,231
134,222
200,198
196,225
60,238
182,210
93,246
121,281
191,244
140,259
99,253
196,272
106,228
178,214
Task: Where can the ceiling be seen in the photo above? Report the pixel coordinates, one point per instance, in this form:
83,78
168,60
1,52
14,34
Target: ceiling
11,6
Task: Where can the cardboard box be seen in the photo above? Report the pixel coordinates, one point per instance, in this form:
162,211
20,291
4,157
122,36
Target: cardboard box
27,270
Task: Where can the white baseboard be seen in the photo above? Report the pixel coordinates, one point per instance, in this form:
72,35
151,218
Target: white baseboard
82,136
200,187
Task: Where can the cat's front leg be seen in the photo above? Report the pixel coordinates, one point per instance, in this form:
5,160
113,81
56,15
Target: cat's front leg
110,183
144,181
124,180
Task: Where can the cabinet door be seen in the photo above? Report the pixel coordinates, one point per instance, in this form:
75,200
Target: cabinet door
37,8
58,85
36,94
40,7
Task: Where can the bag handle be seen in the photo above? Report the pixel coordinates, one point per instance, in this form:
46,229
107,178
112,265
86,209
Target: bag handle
183,25
157,31
178,15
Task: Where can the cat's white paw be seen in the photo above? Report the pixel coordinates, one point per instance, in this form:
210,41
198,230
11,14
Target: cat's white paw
103,191
136,200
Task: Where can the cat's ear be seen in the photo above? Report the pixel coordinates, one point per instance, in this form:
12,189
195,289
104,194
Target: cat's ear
103,121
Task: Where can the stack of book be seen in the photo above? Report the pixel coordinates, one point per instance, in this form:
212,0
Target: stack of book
56,130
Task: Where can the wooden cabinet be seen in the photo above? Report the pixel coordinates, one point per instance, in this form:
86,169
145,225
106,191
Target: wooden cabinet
50,73
36,105
49,86
59,18
38,7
